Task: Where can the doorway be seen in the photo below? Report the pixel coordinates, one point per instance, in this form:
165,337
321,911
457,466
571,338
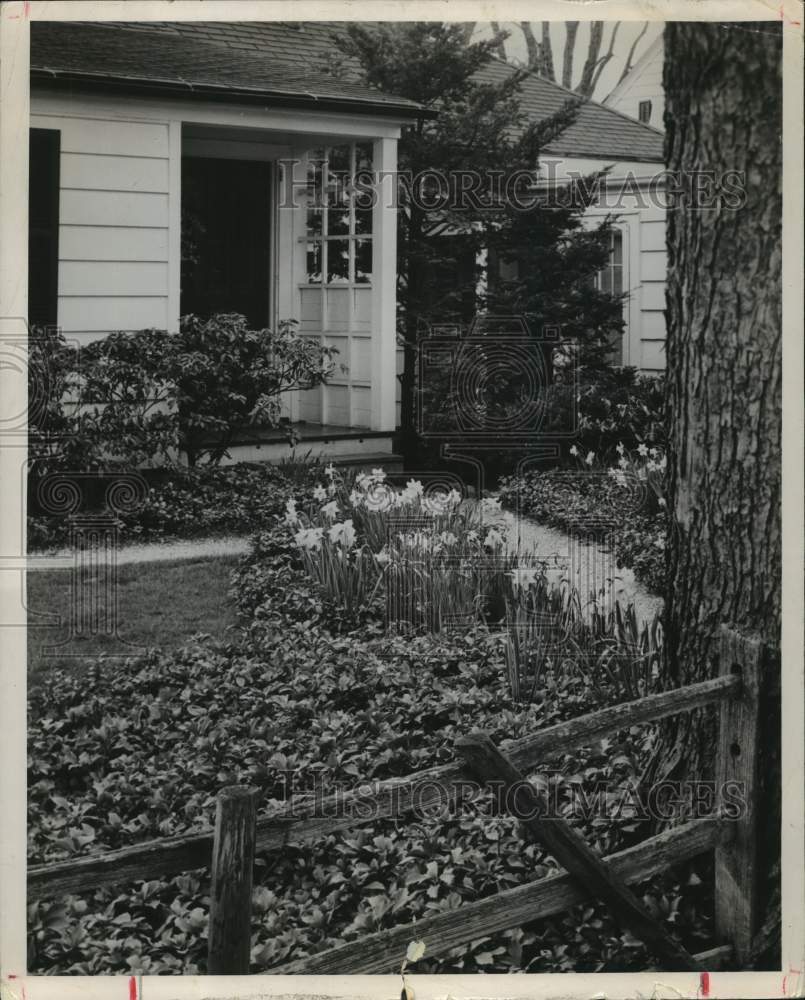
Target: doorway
226,238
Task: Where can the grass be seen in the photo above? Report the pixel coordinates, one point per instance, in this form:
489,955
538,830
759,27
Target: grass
160,604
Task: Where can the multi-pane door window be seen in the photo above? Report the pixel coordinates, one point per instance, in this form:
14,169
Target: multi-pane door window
339,215
336,290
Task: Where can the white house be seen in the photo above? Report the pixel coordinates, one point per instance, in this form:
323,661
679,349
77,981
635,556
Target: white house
640,93
170,167
123,116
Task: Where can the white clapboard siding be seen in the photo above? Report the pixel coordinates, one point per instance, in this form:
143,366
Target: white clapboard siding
106,137
110,243
114,214
653,265
652,325
653,355
88,171
113,208
653,295
106,314
652,235
112,277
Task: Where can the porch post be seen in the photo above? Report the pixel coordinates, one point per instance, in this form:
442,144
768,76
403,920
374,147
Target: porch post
14,127
384,288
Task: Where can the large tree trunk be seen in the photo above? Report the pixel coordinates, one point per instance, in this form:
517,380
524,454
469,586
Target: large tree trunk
723,113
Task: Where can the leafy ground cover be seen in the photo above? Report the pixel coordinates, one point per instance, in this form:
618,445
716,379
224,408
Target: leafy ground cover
190,503
141,752
160,604
302,699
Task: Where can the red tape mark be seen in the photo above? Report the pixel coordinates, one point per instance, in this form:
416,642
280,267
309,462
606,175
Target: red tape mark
704,984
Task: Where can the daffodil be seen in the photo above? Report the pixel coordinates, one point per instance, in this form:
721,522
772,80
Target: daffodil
329,510
291,515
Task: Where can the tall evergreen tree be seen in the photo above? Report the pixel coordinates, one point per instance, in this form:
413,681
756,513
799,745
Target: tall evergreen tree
474,128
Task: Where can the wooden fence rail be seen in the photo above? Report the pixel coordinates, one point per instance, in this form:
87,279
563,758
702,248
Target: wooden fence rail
382,952
307,820
238,836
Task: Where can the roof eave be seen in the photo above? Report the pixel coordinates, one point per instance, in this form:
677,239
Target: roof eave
215,92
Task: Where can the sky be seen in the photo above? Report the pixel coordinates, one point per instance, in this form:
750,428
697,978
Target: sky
628,31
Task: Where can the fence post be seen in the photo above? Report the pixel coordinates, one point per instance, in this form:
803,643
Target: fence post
737,759
229,936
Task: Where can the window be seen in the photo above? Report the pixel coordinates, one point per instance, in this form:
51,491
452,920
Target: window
43,226
339,215
644,111
610,279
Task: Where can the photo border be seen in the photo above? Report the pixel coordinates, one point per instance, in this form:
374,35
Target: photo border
14,119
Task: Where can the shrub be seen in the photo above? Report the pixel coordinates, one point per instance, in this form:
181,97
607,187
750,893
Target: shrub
55,440
146,395
607,406
128,405
229,377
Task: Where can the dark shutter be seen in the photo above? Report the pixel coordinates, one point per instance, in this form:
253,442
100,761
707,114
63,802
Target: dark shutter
43,226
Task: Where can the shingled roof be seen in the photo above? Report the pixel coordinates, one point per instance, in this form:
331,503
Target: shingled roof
599,132
279,65
288,61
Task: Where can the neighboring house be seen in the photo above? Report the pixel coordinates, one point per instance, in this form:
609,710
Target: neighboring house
603,137
158,188
640,93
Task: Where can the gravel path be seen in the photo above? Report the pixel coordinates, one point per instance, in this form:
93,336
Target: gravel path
194,548
590,565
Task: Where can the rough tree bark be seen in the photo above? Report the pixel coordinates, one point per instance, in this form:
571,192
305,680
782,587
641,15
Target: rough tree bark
724,406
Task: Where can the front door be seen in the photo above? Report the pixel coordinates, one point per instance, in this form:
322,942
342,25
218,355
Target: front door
226,223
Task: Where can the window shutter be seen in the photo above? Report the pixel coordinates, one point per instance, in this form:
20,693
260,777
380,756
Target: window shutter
43,226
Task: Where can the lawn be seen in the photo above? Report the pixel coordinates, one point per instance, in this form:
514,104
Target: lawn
160,604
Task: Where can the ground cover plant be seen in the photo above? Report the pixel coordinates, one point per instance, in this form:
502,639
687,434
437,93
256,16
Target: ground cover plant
142,749
191,503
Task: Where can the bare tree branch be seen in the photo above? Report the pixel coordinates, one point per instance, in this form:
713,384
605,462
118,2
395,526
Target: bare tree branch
585,87
571,27
547,52
627,66
499,38
606,58
531,44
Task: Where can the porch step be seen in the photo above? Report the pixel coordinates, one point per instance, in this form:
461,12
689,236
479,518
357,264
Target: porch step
346,449
365,463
